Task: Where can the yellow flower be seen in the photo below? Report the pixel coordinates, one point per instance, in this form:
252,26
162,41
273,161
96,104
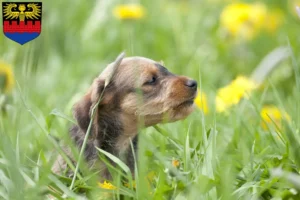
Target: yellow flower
247,20
242,19
201,102
107,185
6,78
272,115
233,93
175,163
129,11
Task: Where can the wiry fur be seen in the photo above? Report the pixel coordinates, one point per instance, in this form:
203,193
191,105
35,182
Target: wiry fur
128,97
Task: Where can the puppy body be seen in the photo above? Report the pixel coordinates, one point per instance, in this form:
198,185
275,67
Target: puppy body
140,91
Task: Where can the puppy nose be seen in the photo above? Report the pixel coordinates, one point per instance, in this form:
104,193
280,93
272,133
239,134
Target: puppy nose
191,83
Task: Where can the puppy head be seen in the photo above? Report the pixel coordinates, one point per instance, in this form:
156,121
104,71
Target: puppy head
139,88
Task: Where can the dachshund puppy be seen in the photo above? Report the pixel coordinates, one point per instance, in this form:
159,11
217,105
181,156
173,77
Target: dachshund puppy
140,90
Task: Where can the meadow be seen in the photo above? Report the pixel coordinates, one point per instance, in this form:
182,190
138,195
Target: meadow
241,142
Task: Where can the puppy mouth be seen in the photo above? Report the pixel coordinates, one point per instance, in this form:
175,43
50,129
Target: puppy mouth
187,103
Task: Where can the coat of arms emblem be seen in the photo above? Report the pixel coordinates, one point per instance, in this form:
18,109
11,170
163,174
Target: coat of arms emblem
22,20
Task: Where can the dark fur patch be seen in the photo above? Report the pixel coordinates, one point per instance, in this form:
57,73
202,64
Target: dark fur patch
164,71
77,135
130,157
82,112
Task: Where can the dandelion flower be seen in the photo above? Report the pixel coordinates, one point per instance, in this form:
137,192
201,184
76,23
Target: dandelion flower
107,185
175,163
247,20
242,19
270,114
201,101
6,78
233,93
129,11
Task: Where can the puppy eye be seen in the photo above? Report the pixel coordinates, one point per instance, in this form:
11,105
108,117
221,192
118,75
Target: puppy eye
151,81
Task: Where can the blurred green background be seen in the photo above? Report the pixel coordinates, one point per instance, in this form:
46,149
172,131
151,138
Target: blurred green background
221,155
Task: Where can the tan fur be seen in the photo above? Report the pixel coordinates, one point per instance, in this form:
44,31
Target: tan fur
128,100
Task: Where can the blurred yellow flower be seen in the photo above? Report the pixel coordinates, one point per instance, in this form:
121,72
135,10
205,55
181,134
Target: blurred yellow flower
244,20
233,93
6,78
175,163
272,115
107,185
247,20
201,102
129,11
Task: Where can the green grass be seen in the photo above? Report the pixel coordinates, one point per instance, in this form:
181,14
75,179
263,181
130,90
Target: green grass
222,156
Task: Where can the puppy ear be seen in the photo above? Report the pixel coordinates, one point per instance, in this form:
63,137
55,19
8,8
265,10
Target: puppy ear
97,89
82,109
